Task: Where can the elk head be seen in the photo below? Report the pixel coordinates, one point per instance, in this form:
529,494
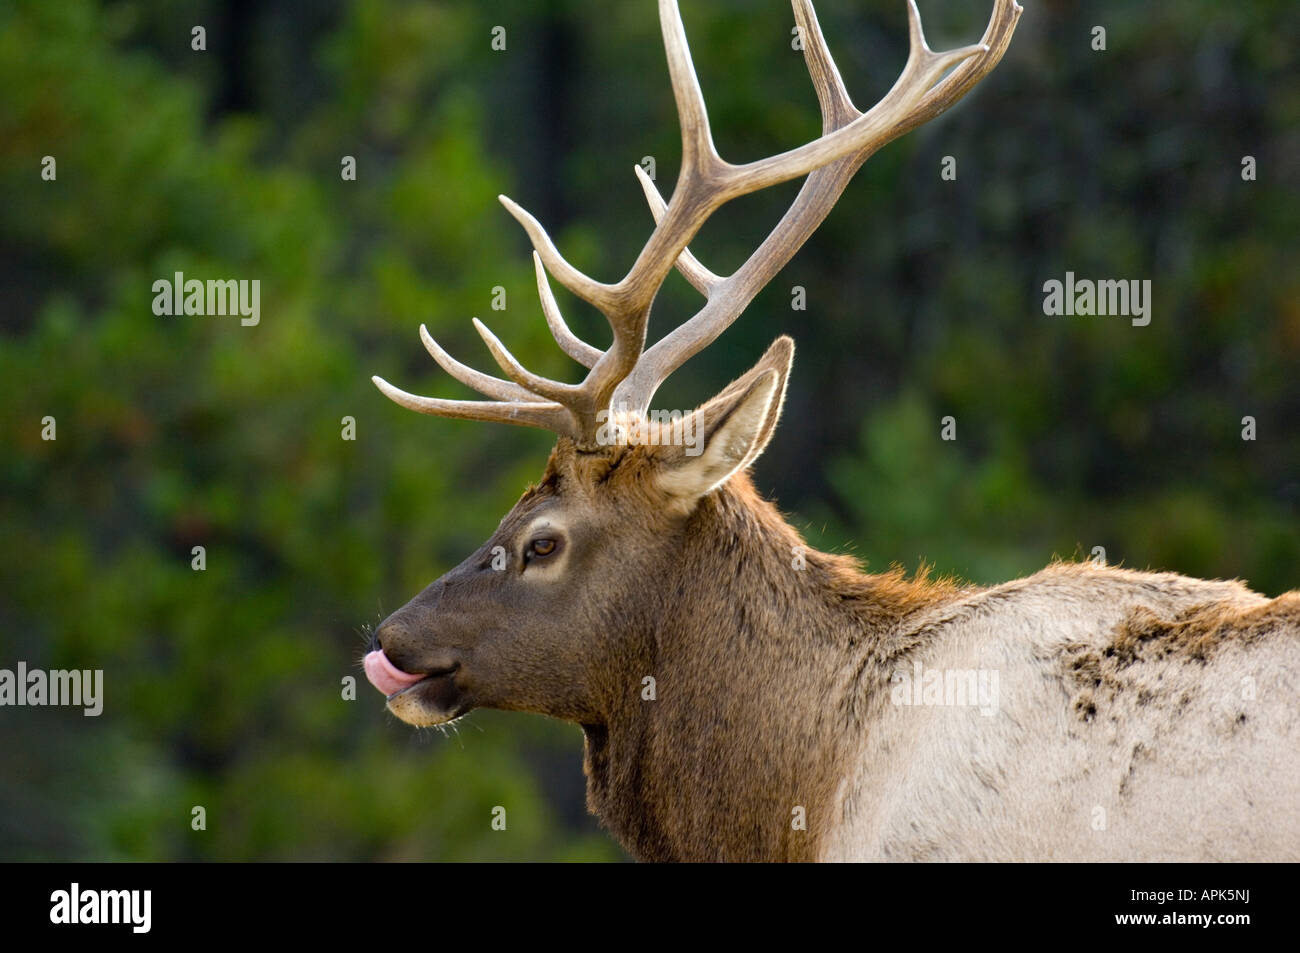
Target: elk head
552,613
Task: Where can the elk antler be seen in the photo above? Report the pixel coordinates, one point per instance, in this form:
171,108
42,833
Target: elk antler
626,375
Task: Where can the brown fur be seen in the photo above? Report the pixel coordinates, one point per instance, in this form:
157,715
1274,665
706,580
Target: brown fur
740,733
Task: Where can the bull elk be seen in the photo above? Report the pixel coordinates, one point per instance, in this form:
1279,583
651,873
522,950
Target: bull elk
803,709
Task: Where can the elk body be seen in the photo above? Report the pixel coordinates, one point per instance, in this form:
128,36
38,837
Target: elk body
798,708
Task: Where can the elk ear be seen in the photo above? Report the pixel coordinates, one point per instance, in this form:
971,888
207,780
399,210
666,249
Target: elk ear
730,431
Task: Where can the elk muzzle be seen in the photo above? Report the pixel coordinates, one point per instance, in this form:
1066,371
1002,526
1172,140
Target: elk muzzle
418,676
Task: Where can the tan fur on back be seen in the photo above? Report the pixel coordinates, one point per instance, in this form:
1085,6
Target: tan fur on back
1143,716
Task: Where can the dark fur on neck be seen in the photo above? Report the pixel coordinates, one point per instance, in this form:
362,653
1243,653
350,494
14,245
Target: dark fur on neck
764,675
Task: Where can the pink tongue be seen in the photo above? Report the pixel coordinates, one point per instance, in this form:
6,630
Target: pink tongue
386,676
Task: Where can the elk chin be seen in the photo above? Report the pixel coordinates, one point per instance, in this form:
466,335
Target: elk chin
431,701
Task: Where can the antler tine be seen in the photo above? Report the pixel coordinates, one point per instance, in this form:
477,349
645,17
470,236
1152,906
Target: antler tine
701,278
698,152
872,129
832,161
485,384
996,39
570,343
836,105
585,287
546,415
538,385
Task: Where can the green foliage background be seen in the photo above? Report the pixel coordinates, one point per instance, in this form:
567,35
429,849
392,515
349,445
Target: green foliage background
924,300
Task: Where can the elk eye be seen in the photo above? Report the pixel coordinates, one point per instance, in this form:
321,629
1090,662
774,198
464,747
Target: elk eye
541,547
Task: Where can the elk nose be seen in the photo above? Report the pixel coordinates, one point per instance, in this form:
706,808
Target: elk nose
406,643
393,640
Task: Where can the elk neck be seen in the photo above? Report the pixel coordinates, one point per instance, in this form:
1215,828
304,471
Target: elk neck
752,635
